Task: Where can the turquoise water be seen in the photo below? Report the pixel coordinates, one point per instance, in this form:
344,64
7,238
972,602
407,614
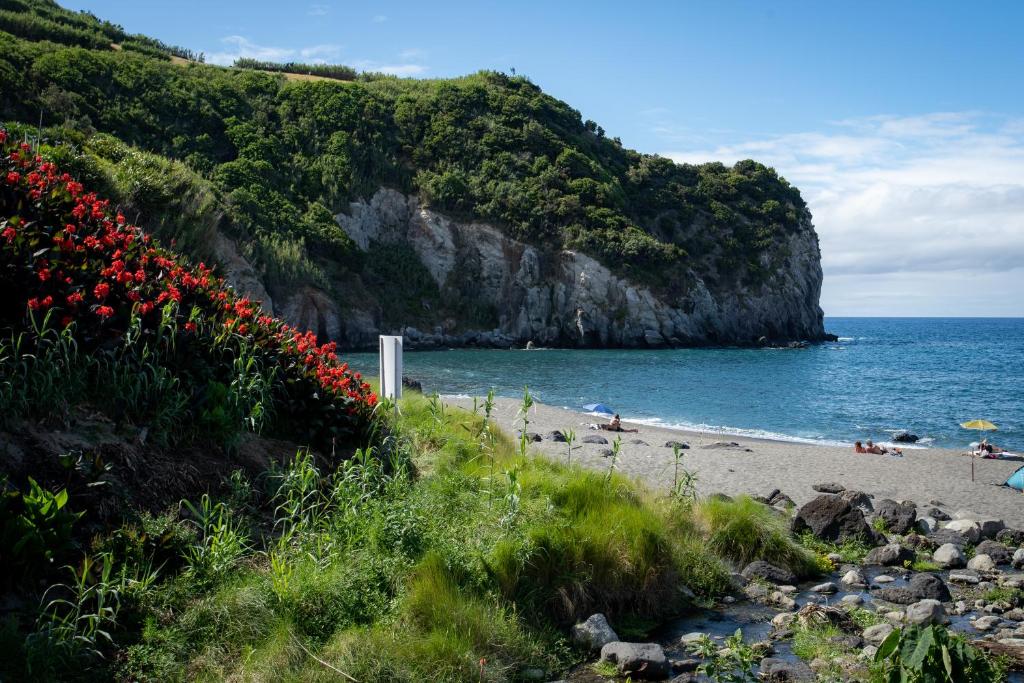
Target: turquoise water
925,375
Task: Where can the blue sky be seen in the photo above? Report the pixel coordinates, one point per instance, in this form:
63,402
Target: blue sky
902,123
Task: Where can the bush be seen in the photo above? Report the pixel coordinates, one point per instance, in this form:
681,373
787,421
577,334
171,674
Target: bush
932,653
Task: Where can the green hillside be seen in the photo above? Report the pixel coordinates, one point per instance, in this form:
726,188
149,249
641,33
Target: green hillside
282,155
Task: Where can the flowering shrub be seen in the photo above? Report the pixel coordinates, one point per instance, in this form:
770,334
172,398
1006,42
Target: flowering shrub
66,256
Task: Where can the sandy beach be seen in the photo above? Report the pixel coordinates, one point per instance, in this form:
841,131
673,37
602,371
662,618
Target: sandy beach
756,466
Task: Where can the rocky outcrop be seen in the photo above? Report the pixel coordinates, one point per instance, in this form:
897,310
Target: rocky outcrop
547,297
566,298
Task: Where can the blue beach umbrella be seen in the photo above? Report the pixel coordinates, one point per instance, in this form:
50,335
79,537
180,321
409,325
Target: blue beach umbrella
598,408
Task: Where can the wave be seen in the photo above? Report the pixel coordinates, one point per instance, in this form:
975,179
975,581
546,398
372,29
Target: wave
767,435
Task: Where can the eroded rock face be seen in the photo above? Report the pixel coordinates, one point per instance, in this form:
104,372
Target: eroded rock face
567,298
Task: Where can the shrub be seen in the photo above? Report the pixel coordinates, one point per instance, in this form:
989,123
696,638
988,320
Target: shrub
932,653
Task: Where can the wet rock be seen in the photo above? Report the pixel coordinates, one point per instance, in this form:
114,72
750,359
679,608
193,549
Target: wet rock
904,437
760,569
981,563
899,517
853,578
964,576
967,528
773,669
594,438
852,599
877,633
645,661
594,633
986,623
832,518
782,600
829,487
1018,558
891,555
949,556
999,553
826,588
925,612
937,514
884,578
556,436
677,444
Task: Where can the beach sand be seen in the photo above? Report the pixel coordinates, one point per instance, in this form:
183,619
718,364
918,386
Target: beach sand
757,466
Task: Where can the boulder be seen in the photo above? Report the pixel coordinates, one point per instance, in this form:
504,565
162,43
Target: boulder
967,576
986,623
981,563
877,633
759,569
904,437
594,633
1011,537
968,528
926,524
900,595
858,499
556,436
899,517
937,514
949,556
594,438
925,612
773,669
832,518
827,588
989,527
677,444
891,555
929,587
853,578
944,536
829,487
644,661
999,553
1018,558
917,541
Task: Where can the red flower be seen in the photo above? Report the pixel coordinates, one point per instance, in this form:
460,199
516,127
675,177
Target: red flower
43,274
75,298
13,177
104,311
9,233
101,290
190,326
33,303
47,302
146,307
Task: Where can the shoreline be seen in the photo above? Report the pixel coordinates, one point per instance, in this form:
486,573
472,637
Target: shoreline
752,465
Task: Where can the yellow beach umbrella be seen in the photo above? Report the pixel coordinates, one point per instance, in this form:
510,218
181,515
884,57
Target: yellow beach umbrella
981,425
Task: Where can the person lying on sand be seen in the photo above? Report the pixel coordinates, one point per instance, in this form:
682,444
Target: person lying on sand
880,450
616,426
858,448
989,448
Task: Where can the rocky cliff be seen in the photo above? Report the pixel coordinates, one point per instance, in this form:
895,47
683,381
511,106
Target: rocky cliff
548,297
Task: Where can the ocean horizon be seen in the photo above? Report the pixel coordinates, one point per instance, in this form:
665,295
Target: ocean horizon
924,375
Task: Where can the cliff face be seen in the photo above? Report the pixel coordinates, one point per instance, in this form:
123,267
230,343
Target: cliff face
554,298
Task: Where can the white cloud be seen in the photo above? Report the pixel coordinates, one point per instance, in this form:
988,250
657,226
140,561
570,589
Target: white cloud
916,214
240,46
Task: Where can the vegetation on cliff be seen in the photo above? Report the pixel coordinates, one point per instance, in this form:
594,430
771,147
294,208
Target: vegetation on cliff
282,156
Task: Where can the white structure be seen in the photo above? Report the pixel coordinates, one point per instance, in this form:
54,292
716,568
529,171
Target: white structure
391,366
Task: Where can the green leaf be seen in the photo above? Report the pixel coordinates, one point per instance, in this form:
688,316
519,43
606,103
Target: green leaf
888,646
920,652
947,662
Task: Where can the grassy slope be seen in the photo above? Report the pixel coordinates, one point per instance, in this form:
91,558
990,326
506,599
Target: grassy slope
440,572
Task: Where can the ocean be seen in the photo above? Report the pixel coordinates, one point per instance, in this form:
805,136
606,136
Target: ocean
924,375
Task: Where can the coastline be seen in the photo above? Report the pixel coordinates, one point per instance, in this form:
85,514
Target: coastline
756,466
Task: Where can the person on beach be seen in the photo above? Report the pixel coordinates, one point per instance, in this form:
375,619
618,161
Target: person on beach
988,449
858,448
880,450
616,426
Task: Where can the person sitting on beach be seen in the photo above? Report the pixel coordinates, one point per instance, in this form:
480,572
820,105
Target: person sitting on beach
616,426
988,449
